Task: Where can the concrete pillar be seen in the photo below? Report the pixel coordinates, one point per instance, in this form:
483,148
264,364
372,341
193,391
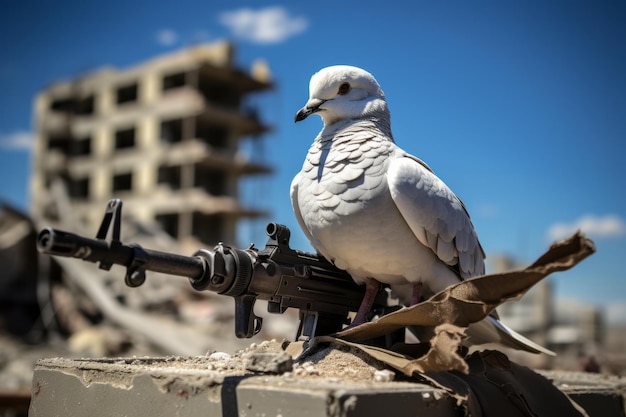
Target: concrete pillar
37,181
101,149
104,101
101,143
150,88
185,224
189,128
146,172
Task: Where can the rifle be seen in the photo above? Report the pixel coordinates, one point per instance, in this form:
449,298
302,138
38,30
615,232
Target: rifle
286,278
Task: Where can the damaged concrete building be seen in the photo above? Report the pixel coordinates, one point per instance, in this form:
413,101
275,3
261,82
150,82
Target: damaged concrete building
163,135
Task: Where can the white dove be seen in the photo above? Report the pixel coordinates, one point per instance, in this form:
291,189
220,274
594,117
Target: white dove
378,212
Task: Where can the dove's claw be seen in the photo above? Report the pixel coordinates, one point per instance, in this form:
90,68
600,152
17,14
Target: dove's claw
371,290
417,293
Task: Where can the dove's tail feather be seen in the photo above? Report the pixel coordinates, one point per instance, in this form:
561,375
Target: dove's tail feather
491,330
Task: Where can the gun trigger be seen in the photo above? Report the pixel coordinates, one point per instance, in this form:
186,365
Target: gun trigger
247,324
258,324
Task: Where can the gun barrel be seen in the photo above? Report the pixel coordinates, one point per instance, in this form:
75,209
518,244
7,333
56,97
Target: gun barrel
60,243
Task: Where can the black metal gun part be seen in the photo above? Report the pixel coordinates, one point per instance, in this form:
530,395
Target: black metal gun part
286,278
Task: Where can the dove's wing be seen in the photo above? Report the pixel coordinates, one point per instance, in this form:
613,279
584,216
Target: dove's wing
296,207
435,214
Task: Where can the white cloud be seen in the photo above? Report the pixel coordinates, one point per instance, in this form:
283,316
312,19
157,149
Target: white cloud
598,227
201,35
167,37
17,141
269,25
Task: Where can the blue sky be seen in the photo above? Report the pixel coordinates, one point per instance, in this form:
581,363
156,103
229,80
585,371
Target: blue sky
520,107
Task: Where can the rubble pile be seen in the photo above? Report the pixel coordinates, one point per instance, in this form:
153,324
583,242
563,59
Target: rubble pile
56,307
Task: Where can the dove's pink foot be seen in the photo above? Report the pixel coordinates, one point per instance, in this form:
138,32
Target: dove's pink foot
371,290
417,293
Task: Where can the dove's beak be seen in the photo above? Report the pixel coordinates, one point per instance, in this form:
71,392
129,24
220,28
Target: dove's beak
312,106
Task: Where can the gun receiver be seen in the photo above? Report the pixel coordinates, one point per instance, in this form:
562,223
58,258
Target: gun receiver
286,278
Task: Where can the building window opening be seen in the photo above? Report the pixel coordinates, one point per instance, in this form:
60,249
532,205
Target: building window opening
172,131
72,105
127,94
169,176
81,147
220,94
125,138
210,180
169,223
122,182
65,105
85,106
60,144
215,136
208,228
78,188
173,81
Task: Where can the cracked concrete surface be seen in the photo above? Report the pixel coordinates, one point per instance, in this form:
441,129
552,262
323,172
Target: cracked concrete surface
334,382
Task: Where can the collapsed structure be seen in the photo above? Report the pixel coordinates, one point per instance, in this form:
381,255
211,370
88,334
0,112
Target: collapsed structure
166,136
163,135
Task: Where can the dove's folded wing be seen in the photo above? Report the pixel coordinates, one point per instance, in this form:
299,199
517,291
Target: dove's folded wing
435,215
296,207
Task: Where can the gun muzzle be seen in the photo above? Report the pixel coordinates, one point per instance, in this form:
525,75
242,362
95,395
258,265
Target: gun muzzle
60,243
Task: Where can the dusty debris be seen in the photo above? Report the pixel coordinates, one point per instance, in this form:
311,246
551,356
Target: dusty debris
269,362
338,362
333,363
384,375
53,307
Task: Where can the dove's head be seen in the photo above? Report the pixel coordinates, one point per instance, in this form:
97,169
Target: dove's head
343,92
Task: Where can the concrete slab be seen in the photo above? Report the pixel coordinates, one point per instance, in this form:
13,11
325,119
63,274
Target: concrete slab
152,386
334,382
598,394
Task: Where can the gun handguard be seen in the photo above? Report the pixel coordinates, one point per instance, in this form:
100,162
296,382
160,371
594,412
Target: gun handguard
286,278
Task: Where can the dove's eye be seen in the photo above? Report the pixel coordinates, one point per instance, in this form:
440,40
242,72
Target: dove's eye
343,89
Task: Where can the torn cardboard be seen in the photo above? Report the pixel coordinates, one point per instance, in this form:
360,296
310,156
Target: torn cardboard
472,300
484,383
